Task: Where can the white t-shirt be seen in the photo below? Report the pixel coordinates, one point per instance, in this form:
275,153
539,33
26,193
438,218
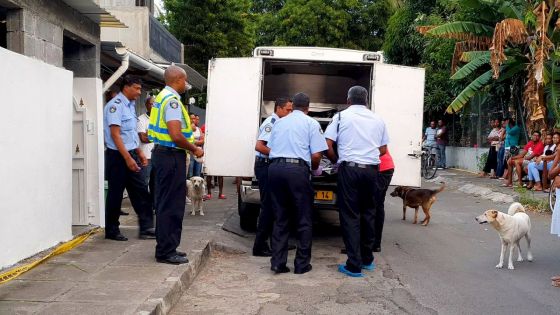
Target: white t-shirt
142,126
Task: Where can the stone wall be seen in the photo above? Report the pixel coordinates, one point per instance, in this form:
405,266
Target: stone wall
37,29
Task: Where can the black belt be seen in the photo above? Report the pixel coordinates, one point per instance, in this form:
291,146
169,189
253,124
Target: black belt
358,165
291,161
168,149
259,159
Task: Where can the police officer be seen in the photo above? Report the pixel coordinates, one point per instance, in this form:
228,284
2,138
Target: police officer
296,146
361,137
123,159
282,108
170,130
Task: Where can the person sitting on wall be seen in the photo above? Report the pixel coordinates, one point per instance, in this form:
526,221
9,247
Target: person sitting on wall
534,148
547,158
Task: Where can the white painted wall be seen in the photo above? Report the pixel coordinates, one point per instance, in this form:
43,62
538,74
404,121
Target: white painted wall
35,159
89,90
465,158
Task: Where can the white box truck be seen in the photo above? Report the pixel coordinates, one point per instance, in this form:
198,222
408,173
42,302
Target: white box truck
242,91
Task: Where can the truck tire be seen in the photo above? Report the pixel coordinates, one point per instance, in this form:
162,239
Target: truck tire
248,215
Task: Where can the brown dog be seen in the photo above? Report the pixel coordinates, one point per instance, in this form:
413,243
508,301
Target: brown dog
415,198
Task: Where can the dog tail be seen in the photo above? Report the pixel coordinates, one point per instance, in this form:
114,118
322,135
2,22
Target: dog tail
515,208
437,191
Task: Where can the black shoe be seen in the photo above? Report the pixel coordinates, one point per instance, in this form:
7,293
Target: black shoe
303,270
262,253
173,260
182,254
148,234
123,213
116,237
291,246
377,249
280,269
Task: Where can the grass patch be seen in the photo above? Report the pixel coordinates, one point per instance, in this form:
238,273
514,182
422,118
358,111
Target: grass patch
527,199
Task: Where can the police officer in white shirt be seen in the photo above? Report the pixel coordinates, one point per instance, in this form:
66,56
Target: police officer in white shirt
282,108
360,137
296,145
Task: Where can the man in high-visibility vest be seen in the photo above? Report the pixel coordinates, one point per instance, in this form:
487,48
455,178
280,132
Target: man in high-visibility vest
170,130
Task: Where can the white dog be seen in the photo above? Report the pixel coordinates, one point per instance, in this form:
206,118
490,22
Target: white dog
511,227
196,187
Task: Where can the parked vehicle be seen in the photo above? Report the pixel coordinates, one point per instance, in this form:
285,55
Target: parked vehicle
242,91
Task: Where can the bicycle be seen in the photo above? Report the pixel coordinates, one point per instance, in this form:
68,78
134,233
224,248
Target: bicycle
429,162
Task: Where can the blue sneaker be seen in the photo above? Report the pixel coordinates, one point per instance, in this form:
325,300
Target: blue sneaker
369,267
342,269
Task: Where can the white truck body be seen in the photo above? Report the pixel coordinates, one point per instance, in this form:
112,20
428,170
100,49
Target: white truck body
241,93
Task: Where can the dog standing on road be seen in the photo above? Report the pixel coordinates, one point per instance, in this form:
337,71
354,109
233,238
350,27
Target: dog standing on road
416,198
196,187
511,227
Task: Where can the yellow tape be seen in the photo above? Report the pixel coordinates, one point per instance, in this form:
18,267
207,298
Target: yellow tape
64,247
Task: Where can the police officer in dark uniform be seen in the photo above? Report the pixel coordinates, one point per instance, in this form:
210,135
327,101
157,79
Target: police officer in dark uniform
360,137
123,159
170,130
282,108
296,146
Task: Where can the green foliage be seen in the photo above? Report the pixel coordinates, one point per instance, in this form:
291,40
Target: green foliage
403,45
472,66
481,161
472,89
462,27
355,24
211,28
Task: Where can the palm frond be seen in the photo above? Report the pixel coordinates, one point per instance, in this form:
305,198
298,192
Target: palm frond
463,30
472,66
474,87
469,56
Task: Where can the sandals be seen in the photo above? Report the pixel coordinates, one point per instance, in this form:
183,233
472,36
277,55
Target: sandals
494,177
506,185
222,196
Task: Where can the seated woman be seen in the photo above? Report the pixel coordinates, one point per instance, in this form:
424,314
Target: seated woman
551,142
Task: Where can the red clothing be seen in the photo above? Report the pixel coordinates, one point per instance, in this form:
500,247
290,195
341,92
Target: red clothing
203,128
387,162
537,149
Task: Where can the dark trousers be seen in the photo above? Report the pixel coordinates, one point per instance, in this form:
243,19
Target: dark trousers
170,192
358,191
384,181
501,161
266,216
491,161
120,177
291,194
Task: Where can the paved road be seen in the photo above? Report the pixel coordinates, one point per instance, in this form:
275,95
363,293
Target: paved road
445,268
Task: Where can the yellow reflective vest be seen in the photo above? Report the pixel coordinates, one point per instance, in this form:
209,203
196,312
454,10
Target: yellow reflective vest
157,130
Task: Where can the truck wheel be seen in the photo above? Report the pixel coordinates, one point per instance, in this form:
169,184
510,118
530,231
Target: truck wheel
248,215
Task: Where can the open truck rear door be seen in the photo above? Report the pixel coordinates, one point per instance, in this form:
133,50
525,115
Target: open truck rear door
398,97
232,115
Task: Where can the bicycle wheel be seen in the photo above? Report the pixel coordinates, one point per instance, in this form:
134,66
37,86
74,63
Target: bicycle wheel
552,198
430,168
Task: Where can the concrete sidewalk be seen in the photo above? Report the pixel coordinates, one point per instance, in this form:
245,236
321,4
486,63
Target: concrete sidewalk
108,277
485,188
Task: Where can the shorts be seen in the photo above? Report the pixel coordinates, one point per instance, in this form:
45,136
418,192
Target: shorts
526,163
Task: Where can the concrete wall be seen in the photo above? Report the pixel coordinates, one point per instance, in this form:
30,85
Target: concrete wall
37,29
89,90
36,160
465,158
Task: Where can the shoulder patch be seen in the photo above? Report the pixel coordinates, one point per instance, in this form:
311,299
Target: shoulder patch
174,104
268,128
118,101
112,109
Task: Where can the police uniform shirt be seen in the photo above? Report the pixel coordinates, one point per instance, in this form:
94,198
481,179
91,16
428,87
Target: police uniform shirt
121,112
296,136
360,134
265,130
173,109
